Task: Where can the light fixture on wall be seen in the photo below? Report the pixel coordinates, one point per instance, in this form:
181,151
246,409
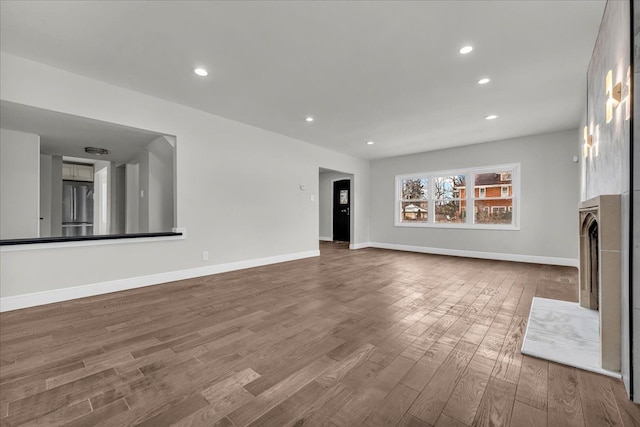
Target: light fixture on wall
614,95
588,142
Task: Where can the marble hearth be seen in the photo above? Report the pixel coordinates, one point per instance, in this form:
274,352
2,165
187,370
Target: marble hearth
586,334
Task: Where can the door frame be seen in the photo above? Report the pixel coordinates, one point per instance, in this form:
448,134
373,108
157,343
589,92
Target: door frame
333,181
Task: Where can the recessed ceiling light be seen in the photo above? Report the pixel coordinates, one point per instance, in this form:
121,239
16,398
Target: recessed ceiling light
491,117
309,119
201,72
484,81
466,49
369,142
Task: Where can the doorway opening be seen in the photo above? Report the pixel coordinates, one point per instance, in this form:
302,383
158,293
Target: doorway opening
336,207
342,210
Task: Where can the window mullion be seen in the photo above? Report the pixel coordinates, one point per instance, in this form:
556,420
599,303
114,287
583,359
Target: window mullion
399,197
470,183
431,205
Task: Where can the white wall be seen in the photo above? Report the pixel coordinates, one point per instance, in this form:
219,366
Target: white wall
221,165
45,195
56,196
143,192
132,204
548,202
160,199
102,190
118,200
19,184
325,201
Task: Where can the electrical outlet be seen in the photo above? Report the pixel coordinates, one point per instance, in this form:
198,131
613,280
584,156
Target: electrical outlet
312,198
205,255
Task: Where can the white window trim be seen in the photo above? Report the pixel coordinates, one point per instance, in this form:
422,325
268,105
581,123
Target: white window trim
470,199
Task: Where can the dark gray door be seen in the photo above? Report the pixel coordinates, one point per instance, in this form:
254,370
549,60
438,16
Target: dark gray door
342,210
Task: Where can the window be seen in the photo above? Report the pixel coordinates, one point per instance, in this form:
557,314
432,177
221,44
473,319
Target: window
448,204
414,204
441,199
498,197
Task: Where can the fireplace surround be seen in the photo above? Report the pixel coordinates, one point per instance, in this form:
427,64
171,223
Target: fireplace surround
600,267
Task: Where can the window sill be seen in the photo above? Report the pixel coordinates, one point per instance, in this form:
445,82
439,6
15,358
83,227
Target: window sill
462,226
10,245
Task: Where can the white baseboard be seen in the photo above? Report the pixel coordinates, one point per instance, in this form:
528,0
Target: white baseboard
326,239
359,245
65,294
533,259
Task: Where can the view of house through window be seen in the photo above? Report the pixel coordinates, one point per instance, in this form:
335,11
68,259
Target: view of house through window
415,205
437,198
498,193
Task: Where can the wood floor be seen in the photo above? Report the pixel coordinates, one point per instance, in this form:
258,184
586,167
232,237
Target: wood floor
350,338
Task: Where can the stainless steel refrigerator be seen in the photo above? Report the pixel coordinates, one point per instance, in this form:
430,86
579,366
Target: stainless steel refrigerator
77,208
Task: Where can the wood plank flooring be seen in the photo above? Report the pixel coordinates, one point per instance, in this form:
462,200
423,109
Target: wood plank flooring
367,337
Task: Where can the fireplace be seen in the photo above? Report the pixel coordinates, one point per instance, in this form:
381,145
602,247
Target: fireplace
594,265
600,265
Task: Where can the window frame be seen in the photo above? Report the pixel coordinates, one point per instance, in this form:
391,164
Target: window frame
435,199
469,199
426,200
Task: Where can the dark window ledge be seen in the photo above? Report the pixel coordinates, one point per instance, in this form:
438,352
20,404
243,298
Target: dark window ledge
35,240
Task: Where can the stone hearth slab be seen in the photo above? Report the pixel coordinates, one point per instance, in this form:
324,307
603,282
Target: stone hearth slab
566,333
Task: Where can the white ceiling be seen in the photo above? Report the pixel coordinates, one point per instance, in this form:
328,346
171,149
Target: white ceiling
387,71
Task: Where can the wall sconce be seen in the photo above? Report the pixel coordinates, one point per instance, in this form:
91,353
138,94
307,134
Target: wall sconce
627,95
614,95
588,143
